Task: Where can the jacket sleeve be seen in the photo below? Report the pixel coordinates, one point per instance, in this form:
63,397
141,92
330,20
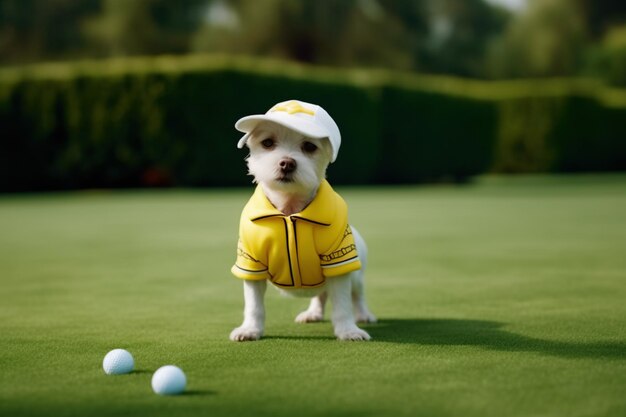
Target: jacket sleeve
247,266
342,258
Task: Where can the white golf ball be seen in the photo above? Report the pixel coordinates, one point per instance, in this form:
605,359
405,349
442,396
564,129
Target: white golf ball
169,380
118,361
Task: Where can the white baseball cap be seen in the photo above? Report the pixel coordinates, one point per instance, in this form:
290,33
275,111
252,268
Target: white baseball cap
308,119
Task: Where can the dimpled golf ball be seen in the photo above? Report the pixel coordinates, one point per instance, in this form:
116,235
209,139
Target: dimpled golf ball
118,361
169,380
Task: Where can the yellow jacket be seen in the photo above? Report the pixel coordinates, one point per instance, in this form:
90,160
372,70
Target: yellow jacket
297,251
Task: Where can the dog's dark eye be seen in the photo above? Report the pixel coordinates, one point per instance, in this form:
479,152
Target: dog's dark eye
267,143
309,147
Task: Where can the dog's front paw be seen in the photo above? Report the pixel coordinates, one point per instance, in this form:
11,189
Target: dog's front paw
309,317
245,334
352,334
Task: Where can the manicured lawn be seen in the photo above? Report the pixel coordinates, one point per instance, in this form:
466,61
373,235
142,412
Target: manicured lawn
502,298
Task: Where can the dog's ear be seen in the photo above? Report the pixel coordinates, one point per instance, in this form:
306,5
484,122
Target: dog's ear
327,149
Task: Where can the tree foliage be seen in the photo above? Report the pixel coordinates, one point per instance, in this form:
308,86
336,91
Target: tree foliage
547,39
471,38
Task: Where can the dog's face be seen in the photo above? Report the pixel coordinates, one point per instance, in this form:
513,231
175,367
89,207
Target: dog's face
285,161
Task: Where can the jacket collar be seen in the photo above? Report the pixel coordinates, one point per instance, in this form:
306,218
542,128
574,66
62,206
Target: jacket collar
321,210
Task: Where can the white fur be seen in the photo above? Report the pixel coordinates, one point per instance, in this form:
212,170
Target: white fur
291,194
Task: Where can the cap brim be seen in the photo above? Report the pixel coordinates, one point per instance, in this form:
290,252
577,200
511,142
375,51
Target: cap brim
249,123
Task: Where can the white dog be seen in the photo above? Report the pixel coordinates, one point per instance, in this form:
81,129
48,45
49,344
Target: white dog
294,231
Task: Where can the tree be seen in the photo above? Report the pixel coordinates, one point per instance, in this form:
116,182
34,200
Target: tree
547,39
603,14
32,30
348,32
459,36
144,27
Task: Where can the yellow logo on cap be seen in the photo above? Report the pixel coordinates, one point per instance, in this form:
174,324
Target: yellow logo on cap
292,107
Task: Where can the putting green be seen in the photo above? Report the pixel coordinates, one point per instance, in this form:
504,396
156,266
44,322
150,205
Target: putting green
501,298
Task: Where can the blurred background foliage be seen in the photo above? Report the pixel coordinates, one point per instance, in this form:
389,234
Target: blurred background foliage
118,93
469,38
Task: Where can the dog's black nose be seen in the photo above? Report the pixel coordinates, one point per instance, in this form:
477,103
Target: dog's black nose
287,165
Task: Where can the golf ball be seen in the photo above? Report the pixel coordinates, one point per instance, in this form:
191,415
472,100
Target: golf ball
118,361
169,380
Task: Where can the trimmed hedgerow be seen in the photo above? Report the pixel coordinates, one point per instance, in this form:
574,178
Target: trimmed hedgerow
169,121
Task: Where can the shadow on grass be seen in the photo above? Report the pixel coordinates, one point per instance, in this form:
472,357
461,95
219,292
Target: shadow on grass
188,393
486,334
298,338
198,393
141,372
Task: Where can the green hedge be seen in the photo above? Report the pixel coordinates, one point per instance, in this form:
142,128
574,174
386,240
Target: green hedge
168,120
561,126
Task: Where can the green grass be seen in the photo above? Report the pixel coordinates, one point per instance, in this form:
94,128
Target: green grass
502,298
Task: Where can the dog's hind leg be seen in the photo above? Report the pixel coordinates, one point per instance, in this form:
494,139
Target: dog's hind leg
315,312
343,319
362,314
